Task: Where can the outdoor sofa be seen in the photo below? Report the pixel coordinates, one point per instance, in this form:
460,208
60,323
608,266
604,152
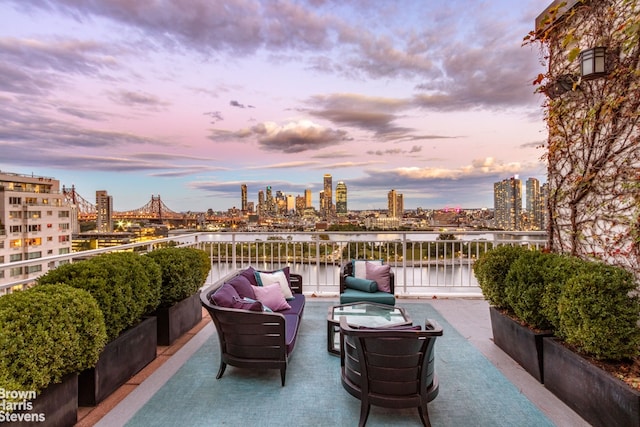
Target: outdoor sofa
257,326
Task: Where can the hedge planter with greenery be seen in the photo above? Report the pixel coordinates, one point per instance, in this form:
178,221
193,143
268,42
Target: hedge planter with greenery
127,287
184,271
48,334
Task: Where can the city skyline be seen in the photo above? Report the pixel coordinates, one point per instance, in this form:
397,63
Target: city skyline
434,99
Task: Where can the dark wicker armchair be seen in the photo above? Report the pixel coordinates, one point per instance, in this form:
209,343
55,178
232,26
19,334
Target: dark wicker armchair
391,368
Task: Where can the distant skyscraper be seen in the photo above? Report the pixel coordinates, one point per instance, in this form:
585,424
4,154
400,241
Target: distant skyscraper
243,195
104,212
341,198
261,203
507,203
307,198
534,204
270,202
326,207
395,202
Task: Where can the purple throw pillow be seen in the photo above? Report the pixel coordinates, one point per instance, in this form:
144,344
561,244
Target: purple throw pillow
225,296
380,274
243,286
250,274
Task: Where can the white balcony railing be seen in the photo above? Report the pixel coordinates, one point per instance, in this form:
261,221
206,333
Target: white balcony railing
423,263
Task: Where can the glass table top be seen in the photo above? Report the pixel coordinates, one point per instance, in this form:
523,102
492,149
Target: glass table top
369,315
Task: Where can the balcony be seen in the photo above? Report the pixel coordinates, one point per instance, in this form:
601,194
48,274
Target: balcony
181,382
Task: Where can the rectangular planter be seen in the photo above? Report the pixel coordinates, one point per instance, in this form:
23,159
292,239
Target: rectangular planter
595,395
121,359
56,405
174,321
521,343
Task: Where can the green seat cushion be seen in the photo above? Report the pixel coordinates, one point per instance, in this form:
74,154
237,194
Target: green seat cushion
353,295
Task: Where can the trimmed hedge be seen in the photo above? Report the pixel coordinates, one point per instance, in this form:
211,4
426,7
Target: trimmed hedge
47,332
525,287
126,286
491,271
557,271
183,272
599,312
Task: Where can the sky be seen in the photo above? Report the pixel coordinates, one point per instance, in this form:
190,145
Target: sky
190,99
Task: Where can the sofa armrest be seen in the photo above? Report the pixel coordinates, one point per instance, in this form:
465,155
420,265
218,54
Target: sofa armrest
296,283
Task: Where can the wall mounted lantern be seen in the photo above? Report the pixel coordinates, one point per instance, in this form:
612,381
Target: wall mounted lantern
592,63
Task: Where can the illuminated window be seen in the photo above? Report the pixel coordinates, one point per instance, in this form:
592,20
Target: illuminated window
34,214
15,243
15,214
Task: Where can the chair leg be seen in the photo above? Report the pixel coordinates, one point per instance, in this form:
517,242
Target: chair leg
364,413
424,415
283,374
223,366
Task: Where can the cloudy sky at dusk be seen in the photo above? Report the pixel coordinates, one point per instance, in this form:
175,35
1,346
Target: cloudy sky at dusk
190,99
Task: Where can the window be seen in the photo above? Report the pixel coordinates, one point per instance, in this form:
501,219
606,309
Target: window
49,225
62,239
64,226
34,255
15,229
15,214
49,239
34,227
31,200
34,214
17,243
63,214
49,213
15,271
63,251
15,257
45,201
15,200
34,268
36,241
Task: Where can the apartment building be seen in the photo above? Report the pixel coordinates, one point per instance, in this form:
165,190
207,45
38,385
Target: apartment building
35,222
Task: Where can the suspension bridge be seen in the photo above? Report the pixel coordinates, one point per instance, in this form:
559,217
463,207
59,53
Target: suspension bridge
154,210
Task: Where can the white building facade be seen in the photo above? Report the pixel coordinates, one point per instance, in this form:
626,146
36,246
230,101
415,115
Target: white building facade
35,222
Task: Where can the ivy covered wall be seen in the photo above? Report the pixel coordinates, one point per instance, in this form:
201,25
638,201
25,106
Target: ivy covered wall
593,146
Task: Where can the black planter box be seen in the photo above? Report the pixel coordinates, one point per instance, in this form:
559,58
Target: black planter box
521,343
595,395
121,359
174,321
56,405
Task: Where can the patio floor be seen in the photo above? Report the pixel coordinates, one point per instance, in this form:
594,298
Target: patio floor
469,317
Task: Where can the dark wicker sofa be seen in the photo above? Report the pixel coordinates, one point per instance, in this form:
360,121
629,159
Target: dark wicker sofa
250,337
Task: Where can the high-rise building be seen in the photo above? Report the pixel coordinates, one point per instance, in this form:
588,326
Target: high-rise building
270,203
535,207
104,212
261,203
326,207
395,203
341,198
243,198
35,222
507,203
307,198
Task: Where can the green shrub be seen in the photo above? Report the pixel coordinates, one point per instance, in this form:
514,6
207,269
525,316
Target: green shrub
558,269
47,332
184,271
122,283
525,286
599,312
491,270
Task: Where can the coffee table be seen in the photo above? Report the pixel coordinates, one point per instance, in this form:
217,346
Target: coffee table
368,314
